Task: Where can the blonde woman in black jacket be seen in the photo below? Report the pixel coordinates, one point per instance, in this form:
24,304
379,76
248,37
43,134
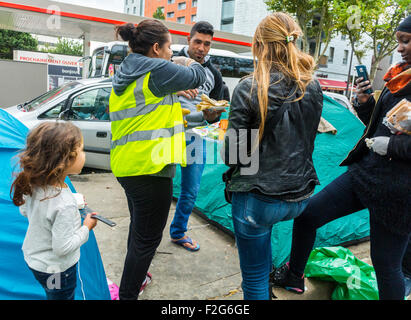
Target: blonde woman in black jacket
273,122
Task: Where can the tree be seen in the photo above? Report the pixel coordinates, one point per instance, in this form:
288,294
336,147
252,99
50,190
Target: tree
13,40
68,47
159,14
316,19
371,24
382,27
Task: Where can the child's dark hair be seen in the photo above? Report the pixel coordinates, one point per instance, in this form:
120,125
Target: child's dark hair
51,148
202,27
144,36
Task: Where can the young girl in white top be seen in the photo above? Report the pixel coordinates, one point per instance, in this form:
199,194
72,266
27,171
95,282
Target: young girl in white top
52,244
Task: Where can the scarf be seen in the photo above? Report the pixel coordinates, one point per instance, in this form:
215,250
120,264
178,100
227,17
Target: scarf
398,77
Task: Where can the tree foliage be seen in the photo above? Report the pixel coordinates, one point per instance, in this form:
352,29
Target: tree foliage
158,14
68,46
369,24
13,40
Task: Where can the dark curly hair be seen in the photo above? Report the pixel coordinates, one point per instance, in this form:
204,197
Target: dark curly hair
51,148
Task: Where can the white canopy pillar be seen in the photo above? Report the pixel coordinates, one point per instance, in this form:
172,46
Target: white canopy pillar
86,52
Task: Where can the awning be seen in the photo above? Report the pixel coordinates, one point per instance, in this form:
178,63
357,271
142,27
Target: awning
333,84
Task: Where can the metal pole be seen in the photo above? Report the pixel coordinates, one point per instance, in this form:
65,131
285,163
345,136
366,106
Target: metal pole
349,74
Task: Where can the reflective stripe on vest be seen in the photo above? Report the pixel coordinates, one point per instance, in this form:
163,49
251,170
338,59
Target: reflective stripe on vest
147,131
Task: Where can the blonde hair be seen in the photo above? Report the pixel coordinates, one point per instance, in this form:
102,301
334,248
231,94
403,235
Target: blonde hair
274,49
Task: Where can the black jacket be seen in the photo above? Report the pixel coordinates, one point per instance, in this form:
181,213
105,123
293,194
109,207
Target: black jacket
285,166
370,113
382,183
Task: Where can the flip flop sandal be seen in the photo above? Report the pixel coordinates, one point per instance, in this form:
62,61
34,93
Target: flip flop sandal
186,240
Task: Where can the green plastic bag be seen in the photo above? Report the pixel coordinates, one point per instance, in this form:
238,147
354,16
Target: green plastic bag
355,279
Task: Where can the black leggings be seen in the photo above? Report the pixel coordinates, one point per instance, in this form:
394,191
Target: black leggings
337,200
149,199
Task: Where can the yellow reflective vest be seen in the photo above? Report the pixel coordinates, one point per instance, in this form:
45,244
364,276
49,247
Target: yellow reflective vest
147,132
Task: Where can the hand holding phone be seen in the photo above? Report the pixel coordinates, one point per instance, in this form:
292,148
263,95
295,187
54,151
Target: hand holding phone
364,88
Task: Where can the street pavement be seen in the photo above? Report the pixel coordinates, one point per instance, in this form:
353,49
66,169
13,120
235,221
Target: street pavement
212,273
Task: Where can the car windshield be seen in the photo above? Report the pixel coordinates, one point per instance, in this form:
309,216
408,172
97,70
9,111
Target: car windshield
48,96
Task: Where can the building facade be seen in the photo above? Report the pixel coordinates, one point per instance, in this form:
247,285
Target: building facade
181,11
242,17
135,7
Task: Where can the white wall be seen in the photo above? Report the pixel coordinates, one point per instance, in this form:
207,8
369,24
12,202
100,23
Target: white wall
337,70
210,11
247,15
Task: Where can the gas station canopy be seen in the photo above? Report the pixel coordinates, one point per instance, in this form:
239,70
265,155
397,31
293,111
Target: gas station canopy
58,19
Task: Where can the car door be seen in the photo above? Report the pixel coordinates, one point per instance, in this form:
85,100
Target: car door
89,110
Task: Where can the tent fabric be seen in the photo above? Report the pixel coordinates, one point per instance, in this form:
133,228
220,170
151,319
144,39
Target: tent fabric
16,280
330,149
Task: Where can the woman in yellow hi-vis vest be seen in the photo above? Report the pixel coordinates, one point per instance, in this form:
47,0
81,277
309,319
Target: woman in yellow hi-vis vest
148,139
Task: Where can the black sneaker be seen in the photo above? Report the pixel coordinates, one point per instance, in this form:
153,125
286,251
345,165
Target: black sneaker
283,277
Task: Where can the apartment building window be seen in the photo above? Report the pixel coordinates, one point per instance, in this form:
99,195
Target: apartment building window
194,3
134,10
345,59
181,19
194,18
170,1
181,6
331,55
343,37
170,14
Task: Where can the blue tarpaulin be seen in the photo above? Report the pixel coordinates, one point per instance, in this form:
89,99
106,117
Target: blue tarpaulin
16,280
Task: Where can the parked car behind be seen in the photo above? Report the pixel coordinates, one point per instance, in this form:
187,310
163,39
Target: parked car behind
86,104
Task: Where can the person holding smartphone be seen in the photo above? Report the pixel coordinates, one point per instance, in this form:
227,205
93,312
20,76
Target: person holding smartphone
378,178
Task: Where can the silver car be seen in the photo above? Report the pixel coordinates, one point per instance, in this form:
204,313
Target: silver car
86,104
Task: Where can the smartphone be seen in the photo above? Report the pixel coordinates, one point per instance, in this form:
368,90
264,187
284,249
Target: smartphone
362,73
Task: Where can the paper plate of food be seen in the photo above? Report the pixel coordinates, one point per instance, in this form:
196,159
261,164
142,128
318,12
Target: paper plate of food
210,104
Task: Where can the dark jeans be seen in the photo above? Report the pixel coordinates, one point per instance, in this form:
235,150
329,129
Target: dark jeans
406,263
337,200
149,199
58,286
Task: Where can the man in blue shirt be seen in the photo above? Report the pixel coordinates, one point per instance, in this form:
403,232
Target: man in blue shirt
199,41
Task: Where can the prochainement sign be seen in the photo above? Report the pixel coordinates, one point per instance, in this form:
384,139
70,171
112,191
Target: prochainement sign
61,68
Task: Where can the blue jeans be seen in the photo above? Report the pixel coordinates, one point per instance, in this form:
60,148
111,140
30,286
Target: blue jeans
58,286
190,184
253,218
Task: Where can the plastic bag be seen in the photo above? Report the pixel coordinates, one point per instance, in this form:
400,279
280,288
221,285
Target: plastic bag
398,119
355,279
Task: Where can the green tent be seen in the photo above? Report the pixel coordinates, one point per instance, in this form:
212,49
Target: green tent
329,151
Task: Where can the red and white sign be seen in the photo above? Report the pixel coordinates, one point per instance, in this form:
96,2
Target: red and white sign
47,58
